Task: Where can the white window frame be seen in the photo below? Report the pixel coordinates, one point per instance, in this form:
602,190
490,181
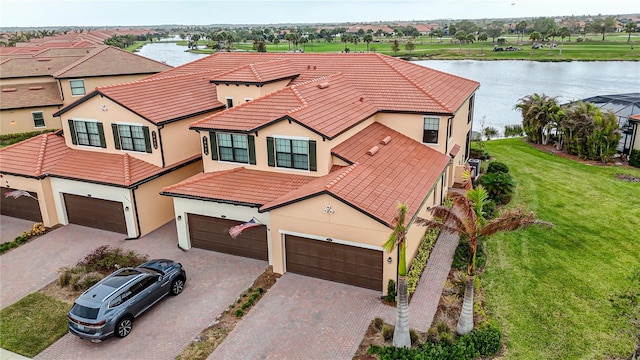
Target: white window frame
84,88
44,123
424,118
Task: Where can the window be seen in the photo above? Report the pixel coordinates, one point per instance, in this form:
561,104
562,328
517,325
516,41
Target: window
131,137
431,126
38,119
247,99
292,153
77,87
470,117
238,148
88,133
233,147
229,103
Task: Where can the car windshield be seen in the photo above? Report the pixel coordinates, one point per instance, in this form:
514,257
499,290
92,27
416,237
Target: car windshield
84,312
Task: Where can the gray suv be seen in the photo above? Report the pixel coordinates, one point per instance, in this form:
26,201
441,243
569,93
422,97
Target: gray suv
109,307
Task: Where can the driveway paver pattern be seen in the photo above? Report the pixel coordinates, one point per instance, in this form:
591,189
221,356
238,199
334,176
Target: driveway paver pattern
11,227
214,281
305,318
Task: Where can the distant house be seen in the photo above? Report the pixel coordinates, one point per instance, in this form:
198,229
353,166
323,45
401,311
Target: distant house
634,121
35,82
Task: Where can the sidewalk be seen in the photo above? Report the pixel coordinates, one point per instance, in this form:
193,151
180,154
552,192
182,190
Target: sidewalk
8,355
424,302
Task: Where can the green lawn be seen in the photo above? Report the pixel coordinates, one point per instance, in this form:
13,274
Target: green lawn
32,324
549,288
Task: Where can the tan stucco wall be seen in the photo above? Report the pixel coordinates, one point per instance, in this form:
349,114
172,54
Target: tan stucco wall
155,210
460,129
40,187
91,83
636,144
184,207
21,120
344,225
178,142
240,92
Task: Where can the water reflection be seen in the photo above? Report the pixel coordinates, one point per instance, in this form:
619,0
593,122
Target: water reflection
168,53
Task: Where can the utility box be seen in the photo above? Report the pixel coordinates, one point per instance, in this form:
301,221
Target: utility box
475,167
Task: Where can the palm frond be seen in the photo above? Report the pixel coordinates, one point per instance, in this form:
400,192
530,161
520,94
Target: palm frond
432,224
395,237
511,220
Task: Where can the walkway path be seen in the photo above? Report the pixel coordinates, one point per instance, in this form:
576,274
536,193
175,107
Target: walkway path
424,302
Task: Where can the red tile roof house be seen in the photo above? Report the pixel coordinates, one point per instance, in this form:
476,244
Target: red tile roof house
320,149
118,147
36,81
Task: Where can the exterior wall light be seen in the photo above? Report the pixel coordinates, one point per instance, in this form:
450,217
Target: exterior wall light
389,260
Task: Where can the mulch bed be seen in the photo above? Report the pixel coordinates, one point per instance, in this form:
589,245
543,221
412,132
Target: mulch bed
618,162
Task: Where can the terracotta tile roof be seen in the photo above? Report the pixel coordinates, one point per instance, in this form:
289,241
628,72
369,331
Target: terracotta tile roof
328,105
18,67
635,117
48,155
33,157
403,170
111,60
164,99
240,185
30,95
391,84
258,73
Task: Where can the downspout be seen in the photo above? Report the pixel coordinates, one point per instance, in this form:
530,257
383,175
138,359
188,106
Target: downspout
446,141
161,147
135,207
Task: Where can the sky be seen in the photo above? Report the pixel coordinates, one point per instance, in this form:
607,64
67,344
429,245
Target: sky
95,13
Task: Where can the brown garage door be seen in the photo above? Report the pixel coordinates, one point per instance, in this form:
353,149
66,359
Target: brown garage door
95,213
23,207
213,234
336,262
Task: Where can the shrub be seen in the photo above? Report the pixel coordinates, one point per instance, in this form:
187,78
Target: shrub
487,338
489,209
387,332
85,281
634,158
238,313
9,139
497,167
420,260
105,259
391,291
479,154
499,186
378,323
461,255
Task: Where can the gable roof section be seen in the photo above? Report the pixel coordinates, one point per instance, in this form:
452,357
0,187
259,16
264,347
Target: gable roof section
39,94
34,66
162,100
109,60
403,170
258,73
48,155
328,105
237,186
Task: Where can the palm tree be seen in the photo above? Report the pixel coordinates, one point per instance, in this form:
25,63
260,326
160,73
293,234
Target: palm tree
466,218
629,28
401,336
355,39
409,46
395,46
563,32
483,36
540,115
368,39
520,28
470,38
461,36
490,132
535,36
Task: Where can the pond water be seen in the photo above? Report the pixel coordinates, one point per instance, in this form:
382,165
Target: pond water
502,83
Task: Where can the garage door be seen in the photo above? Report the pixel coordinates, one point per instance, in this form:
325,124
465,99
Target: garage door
95,213
23,207
336,262
213,234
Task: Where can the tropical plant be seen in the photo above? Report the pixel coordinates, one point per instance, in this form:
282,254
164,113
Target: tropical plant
461,36
470,39
535,36
541,114
589,133
490,132
563,32
401,337
409,46
368,38
499,186
395,46
497,167
466,218
513,130
482,37
520,28
630,28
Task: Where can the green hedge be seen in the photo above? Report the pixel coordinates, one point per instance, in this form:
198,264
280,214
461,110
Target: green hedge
10,139
420,260
634,158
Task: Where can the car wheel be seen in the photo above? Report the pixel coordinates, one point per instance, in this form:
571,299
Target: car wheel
124,326
177,285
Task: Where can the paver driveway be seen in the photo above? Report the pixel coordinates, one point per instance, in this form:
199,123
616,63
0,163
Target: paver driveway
305,318
214,282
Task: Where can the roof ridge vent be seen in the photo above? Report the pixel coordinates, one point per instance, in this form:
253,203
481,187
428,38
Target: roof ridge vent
9,90
323,85
386,140
373,150
36,87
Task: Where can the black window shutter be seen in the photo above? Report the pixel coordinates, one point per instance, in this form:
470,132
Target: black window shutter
103,143
116,135
72,130
147,138
270,152
214,145
313,162
252,149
